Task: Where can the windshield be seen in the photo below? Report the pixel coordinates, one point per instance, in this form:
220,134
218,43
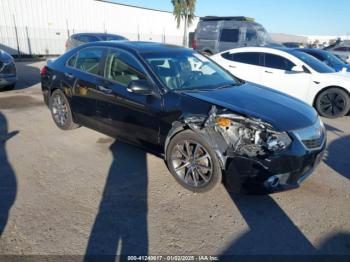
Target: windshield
333,59
264,36
188,70
314,63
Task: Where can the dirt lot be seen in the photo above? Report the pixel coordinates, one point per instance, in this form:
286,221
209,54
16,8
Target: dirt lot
80,192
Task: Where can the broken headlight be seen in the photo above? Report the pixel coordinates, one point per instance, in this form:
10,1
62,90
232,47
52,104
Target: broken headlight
250,136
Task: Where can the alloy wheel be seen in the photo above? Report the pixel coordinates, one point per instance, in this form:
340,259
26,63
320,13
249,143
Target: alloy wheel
192,163
59,110
332,104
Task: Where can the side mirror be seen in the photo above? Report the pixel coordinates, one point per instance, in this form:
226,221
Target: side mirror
141,87
298,69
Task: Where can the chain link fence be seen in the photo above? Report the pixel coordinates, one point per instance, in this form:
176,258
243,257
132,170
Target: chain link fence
51,41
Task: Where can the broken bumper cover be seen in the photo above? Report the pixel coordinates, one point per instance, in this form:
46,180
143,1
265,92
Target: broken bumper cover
278,172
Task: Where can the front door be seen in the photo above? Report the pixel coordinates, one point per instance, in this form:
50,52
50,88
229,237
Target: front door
278,74
133,117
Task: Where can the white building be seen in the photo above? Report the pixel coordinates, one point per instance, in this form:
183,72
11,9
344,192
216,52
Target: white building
43,26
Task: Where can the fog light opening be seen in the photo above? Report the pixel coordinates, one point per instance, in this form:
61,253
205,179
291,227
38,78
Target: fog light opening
273,181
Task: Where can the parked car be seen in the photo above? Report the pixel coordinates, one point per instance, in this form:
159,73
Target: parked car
83,38
328,58
292,72
342,50
178,104
215,34
8,76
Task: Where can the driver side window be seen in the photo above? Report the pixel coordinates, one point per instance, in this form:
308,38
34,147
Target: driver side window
122,68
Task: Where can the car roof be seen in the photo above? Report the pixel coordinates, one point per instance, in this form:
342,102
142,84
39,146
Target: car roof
139,46
95,34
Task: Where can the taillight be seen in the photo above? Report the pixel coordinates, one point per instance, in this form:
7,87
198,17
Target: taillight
43,71
194,44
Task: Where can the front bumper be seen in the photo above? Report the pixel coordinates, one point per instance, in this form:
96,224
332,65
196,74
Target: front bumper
6,80
277,172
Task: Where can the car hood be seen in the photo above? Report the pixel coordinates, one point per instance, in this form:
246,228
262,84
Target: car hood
5,57
283,112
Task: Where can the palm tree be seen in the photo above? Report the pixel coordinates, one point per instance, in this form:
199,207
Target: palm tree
184,10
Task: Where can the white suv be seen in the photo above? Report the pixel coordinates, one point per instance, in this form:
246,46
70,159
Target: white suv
292,72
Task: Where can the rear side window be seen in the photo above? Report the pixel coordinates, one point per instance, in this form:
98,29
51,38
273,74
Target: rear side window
88,60
122,68
86,38
229,35
251,58
278,62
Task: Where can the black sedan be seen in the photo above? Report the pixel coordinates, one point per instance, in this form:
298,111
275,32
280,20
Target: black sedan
8,75
178,104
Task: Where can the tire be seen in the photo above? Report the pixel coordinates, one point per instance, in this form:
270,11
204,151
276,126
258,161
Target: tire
61,111
198,171
333,103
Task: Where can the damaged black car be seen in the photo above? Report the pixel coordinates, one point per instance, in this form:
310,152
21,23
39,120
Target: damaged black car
180,105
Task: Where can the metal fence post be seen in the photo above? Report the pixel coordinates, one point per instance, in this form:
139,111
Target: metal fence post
16,32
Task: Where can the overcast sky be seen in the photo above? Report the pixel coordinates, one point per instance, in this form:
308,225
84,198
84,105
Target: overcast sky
305,17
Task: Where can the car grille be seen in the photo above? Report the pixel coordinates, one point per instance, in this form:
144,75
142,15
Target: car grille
312,137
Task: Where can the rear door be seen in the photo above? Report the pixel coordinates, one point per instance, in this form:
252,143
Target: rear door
244,65
133,117
80,82
278,74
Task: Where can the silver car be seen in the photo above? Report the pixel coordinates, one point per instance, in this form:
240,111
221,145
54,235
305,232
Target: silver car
342,50
83,38
8,76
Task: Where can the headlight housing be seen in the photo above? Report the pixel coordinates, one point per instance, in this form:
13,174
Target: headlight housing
249,135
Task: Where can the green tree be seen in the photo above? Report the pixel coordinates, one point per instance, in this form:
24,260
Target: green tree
184,11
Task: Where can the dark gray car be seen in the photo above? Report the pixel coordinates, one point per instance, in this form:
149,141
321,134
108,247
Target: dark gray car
216,34
8,75
83,38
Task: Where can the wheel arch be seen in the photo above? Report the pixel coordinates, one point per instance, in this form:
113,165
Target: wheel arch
179,127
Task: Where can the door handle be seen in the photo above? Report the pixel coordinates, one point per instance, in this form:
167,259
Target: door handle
68,75
232,66
269,72
104,90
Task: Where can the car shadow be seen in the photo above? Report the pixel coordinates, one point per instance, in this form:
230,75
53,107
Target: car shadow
120,227
271,231
336,157
8,183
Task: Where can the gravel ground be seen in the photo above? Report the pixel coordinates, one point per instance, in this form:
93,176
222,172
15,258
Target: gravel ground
81,192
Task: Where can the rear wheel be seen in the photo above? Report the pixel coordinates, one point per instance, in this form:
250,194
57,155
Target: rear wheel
193,163
333,103
61,111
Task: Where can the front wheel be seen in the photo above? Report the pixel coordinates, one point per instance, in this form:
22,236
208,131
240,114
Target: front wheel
333,103
192,162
